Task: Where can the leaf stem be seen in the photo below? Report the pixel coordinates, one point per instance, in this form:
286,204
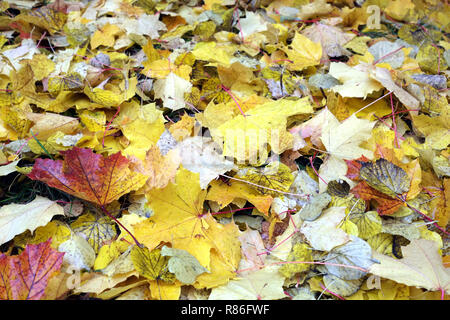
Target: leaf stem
121,225
40,145
331,292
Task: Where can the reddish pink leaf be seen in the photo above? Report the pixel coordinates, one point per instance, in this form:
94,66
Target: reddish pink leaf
89,176
354,166
25,277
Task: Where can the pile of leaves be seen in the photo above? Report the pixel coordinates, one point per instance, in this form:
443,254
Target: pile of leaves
224,149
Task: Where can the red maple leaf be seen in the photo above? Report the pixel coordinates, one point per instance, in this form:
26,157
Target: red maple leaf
89,176
25,277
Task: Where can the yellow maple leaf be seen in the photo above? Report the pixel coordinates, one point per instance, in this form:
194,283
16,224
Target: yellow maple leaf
224,194
93,120
113,95
303,53
245,137
108,253
41,65
105,36
275,176
179,219
213,52
356,81
160,169
141,125
160,69
183,128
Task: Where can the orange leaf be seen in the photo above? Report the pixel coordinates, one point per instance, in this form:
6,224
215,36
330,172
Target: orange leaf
386,204
354,166
25,277
89,176
160,169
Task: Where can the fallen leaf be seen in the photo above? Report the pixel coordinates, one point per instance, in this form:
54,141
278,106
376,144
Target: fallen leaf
172,90
8,168
386,204
273,179
78,253
247,137
355,253
323,233
356,81
184,265
302,53
25,277
151,264
89,176
300,252
314,207
199,154
179,219
421,266
96,229
16,218
385,177
331,38
264,284
342,140
224,194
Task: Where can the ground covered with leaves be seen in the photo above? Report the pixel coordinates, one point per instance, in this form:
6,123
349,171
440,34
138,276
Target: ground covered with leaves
224,149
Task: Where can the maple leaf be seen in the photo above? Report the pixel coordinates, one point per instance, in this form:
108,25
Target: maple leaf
106,76
303,53
96,229
199,154
356,80
89,176
78,253
323,233
16,218
224,194
264,284
246,136
105,36
151,264
185,267
342,140
171,90
159,169
331,38
179,219
421,266
274,176
25,277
